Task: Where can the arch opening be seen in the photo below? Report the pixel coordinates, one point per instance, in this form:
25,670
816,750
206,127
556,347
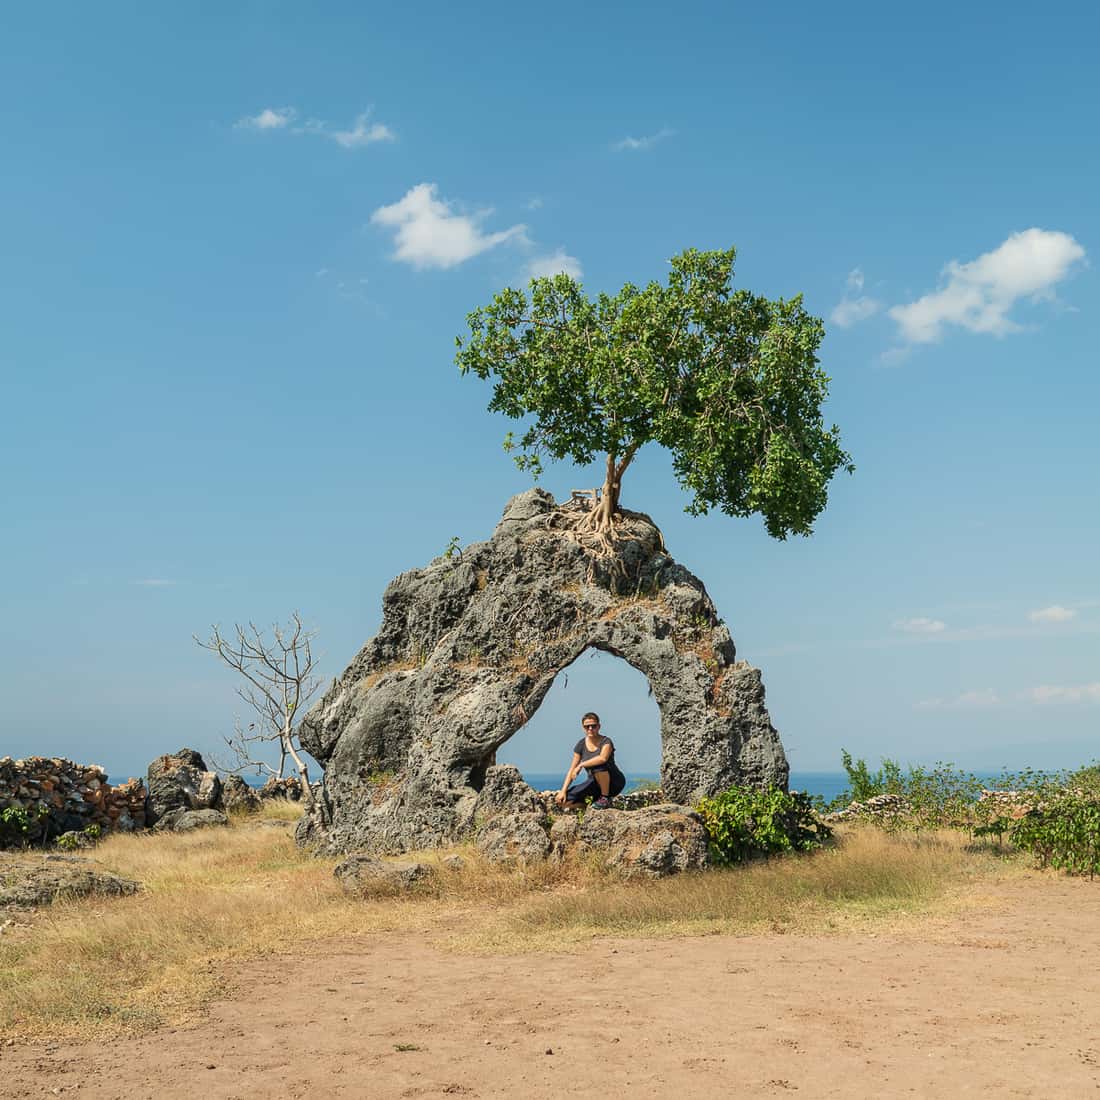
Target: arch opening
597,680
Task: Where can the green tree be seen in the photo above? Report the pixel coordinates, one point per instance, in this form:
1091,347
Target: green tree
727,380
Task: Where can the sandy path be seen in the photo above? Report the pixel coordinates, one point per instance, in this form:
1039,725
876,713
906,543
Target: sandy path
999,1002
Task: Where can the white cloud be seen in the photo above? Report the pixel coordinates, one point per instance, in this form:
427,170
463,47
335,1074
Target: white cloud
270,118
978,295
968,700
1078,693
633,144
1053,614
919,626
850,311
361,134
534,203
894,357
428,234
559,262
154,582
854,306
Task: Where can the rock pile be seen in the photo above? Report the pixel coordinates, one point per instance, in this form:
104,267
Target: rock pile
468,648
883,809
59,796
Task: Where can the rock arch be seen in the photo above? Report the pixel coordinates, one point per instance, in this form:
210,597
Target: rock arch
469,647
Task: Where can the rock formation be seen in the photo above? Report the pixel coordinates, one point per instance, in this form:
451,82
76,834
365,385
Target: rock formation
180,781
468,649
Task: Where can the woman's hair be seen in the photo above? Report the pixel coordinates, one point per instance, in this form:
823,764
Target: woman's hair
590,714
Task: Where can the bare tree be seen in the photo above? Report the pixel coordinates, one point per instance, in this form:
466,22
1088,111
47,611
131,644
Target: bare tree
281,681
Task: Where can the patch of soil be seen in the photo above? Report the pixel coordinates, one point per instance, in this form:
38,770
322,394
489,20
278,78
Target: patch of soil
1000,1001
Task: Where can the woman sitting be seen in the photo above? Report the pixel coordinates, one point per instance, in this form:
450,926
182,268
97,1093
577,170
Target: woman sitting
596,754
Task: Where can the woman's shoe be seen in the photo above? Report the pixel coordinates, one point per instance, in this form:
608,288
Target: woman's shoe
602,804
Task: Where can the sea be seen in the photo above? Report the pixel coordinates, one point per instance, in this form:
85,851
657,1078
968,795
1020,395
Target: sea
826,784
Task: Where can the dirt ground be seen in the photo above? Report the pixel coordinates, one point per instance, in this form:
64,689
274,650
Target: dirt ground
1002,1000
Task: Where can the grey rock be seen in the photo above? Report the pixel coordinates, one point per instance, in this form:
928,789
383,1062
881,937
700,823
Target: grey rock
28,883
238,796
200,819
184,821
504,791
289,788
515,838
563,834
454,863
180,780
651,842
361,873
468,648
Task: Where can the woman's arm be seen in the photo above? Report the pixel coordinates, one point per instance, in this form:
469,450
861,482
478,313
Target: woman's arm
572,773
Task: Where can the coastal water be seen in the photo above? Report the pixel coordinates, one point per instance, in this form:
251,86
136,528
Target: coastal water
826,784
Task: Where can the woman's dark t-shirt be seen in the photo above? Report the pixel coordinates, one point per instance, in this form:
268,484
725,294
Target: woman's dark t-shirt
583,751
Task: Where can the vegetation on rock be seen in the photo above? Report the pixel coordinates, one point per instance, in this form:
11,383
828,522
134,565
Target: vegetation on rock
726,380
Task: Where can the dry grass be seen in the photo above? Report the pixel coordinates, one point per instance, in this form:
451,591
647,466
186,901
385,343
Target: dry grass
869,877
96,967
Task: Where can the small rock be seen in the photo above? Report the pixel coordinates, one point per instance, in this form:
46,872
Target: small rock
360,873
515,838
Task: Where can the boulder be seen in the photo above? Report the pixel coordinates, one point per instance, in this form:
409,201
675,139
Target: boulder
27,883
653,842
563,834
180,780
185,821
469,646
361,873
239,797
288,788
504,791
515,838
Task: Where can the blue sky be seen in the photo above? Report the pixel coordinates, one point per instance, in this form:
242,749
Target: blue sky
238,242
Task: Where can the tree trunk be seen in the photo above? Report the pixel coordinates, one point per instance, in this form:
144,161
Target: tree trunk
603,515
301,765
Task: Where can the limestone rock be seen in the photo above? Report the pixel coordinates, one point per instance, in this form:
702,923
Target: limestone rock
468,648
28,883
363,873
238,796
654,841
185,821
504,791
181,780
288,788
515,838
563,834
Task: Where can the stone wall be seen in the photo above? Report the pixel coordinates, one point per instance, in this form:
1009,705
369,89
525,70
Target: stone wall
59,796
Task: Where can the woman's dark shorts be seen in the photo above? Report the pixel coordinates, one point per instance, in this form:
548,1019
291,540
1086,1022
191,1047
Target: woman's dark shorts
580,789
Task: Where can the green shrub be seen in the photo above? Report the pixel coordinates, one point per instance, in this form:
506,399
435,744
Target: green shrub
1063,832
15,823
744,822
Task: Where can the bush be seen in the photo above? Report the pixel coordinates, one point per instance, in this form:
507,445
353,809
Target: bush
15,823
744,822
1063,833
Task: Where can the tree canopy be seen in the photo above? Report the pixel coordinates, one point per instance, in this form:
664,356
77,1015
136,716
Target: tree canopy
725,379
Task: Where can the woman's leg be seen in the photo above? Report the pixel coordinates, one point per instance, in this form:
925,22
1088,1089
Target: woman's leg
603,780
